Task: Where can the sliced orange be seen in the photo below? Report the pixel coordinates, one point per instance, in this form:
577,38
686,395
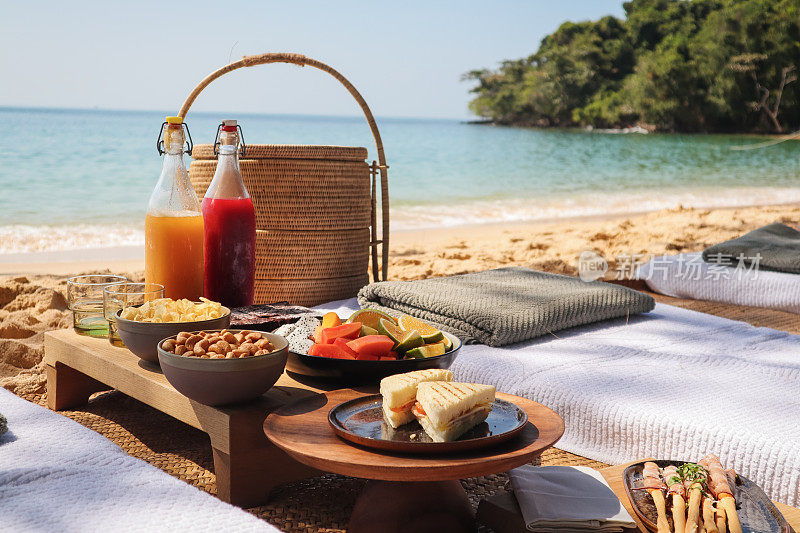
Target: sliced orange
429,334
371,318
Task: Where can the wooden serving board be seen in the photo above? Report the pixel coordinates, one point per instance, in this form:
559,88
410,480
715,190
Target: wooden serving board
302,430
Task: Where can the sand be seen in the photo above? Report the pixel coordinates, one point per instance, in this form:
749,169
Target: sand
32,303
555,247
29,306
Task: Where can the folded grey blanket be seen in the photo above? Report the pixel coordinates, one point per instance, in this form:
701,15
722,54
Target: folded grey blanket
3,424
507,305
777,247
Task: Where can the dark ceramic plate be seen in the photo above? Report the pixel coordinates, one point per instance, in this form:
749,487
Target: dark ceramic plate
352,371
756,512
361,421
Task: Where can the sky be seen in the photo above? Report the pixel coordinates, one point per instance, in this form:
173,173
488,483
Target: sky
144,55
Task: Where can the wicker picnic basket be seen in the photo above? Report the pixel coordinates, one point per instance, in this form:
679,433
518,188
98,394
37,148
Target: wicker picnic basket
316,206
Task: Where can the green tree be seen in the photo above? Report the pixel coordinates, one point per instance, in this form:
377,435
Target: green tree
677,65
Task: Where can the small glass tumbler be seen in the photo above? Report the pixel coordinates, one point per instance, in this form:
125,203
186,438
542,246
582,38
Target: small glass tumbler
116,297
85,298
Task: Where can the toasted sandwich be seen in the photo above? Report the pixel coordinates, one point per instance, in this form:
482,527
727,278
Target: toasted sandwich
447,410
400,392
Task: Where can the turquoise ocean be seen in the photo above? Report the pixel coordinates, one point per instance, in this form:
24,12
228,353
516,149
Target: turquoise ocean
73,179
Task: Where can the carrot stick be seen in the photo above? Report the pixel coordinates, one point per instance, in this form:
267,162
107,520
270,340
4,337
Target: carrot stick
721,519
679,513
729,504
693,514
661,508
708,516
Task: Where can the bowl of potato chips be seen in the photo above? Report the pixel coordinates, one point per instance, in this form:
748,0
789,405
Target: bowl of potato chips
142,327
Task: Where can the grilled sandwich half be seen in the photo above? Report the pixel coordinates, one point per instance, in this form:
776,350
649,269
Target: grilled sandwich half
400,392
447,410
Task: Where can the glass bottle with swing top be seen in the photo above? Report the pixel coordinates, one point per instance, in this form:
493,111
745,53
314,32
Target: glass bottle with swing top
174,222
230,225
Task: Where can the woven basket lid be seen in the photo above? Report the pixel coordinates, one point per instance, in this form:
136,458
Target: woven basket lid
289,151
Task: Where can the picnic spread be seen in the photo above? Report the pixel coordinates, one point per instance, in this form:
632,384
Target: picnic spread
256,332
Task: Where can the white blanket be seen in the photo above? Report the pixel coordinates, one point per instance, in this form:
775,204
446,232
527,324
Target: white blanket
688,276
671,384
56,475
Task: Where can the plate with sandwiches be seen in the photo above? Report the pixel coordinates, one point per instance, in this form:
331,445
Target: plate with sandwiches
425,411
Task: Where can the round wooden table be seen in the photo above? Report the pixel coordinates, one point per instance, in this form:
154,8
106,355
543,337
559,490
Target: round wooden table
423,493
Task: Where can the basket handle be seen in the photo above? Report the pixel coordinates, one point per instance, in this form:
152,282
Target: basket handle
301,60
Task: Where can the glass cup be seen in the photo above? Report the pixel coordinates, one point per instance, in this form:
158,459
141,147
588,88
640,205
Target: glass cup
115,297
85,298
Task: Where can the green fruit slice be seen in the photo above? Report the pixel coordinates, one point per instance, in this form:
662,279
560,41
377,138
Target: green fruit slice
430,350
390,329
370,317
412,340
433,338
403,340
366,330
448,344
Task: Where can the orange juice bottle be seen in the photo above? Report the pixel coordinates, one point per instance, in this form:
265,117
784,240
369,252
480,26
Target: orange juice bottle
174,224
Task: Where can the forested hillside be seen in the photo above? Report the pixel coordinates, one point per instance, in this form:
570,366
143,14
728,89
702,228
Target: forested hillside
671,65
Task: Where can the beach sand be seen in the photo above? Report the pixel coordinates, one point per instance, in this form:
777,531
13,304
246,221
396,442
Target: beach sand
32,299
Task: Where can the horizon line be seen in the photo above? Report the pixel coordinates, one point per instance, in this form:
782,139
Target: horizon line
110,109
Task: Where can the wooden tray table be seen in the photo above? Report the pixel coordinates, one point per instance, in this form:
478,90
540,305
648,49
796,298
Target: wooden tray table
246,464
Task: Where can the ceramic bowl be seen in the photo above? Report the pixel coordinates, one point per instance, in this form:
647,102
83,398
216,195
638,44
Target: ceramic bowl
224,381
350,371
142,338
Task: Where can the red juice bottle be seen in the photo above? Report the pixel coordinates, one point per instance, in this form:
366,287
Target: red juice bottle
230,226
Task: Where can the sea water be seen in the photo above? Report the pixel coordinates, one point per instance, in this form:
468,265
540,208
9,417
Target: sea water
74,179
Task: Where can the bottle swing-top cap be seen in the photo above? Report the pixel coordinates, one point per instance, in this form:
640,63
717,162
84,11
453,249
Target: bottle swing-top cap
172,124
230,126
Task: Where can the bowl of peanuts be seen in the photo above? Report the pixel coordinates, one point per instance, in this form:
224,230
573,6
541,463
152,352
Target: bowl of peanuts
220,367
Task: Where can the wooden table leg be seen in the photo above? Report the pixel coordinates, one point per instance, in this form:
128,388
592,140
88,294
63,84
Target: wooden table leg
246,476
66,387
427,507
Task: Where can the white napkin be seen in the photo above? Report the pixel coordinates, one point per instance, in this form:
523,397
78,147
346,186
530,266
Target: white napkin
567,498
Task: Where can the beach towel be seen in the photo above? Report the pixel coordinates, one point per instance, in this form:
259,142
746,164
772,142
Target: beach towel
670,384
56,475
506,305
773,247
688,276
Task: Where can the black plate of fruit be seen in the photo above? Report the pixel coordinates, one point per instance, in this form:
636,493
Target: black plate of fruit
367,347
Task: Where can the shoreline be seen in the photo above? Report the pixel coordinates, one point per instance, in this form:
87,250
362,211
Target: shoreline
73,262
580,218
403,242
